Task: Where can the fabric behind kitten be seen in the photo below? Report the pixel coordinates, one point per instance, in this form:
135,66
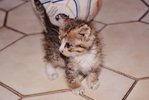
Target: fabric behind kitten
79,50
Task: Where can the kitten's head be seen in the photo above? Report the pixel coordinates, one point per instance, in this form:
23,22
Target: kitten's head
76,37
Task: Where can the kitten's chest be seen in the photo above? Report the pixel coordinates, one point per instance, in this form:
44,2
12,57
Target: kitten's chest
86,61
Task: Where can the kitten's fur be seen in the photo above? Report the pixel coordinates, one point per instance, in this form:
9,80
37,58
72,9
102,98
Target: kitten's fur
79,50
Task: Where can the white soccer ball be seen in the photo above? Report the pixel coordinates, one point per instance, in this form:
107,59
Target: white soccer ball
80,9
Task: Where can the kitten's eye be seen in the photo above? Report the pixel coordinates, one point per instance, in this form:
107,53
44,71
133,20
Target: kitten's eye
68,45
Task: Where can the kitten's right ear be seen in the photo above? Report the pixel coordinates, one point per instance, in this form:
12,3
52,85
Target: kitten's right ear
62,19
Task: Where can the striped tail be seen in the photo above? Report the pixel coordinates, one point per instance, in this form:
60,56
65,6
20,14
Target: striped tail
41,13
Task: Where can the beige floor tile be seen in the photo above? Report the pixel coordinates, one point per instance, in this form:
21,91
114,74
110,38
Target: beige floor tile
9,4
2,17
8,36
7,95
23,69
113,11
140,92
112,86
146,18
147,1
97,25
58,96
24,19
126,48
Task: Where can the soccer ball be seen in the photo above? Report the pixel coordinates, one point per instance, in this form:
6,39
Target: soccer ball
80,9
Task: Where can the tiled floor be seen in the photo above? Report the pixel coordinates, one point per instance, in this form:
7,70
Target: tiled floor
124,26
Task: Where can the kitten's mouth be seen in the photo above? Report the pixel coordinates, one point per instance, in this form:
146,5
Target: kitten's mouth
67,54
63,53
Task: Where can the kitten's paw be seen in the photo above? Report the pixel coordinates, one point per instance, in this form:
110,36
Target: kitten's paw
51,71
78,91
93,84
53,76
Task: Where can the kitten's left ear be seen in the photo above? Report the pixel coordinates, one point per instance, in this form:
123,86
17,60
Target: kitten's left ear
85,30
62,19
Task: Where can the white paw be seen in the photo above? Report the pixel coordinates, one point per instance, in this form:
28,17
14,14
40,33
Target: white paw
78,91
53,76
93,85
51,71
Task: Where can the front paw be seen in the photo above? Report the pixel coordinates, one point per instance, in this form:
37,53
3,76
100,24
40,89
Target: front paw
51,71
53,76
78,91
93,83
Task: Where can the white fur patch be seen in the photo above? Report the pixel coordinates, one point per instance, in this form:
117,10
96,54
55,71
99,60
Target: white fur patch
51,71
86,61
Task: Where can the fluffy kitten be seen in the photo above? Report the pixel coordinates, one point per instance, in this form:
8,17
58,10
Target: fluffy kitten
79,50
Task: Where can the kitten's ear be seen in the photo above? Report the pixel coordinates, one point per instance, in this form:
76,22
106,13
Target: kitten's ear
87,33
62,19
85,30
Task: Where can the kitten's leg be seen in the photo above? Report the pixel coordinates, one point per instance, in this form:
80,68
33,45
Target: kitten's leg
74,81
93,79
51,71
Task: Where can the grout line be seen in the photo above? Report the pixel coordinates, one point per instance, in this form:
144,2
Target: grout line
121,73
144,22
24,2
99,22
11,43
6,17
143,78
15,30
102,28
144,15
104,25
35,33
125,22
145,3
130,90
46,93
23,32
86,97
11,89
2,9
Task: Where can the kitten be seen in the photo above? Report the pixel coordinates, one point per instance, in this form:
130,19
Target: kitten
74,46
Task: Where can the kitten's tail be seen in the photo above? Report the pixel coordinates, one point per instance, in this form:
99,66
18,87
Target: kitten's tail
50,30
41,13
